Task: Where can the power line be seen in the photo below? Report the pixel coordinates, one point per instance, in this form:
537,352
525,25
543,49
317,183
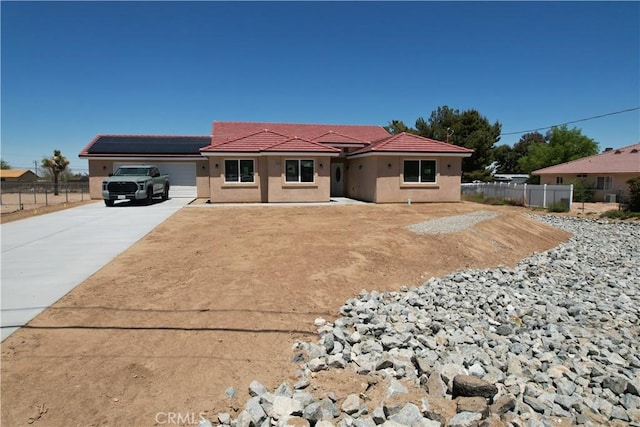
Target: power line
573,121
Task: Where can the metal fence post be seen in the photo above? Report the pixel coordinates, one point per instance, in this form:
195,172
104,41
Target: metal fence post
46,197
66,192
20,199
35,200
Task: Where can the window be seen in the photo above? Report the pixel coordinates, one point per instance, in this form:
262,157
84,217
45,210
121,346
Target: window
559,180
419,171
299,170
238,170
604,183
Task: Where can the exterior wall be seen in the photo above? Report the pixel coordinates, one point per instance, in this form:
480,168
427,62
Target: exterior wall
279,190
222,192
202,179
361,178
98,171
619,182
390,187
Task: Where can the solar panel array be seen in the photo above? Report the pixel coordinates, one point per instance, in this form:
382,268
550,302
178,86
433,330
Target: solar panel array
122,144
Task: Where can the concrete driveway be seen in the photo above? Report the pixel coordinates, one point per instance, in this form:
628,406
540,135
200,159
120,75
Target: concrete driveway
45,257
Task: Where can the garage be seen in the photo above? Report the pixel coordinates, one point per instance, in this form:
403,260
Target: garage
182,176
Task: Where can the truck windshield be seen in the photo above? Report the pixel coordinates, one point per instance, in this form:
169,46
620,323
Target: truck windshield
132,172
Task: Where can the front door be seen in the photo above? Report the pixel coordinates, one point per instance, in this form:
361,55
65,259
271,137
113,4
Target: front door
337,179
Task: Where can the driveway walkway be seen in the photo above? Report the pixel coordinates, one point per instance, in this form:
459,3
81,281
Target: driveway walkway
45,257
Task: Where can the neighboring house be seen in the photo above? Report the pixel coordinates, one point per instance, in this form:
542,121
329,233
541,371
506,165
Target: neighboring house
15,175
608,172
516,178
285,162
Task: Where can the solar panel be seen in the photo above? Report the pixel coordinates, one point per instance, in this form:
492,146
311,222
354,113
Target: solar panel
183,145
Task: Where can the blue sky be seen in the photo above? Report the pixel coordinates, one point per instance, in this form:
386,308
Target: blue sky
71,70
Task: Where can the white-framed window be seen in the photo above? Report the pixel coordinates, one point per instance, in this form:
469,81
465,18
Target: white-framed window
559,180
604,183
299,170
239,170
421,171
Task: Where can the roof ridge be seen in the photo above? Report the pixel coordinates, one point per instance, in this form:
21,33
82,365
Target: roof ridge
296,123
247,136
100,135
294,138
341,134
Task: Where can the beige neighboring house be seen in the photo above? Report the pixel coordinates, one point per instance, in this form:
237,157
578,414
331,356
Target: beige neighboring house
17,175
608,172
289,162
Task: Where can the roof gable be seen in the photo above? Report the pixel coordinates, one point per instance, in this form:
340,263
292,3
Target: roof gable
110,145
299,144
15,173
410,143
226,131
621,160
253,142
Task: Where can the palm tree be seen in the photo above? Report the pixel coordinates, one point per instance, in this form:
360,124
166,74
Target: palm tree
56,164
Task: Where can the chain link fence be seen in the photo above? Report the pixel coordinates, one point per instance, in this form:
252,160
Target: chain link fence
17,196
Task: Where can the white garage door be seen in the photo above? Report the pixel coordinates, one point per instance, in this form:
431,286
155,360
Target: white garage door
182,177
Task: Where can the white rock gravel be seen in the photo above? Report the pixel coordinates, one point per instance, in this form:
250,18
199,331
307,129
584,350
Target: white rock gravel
451,224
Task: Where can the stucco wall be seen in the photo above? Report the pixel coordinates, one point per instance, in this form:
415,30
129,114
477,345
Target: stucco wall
619,182
98,171
222,192
202,178
392,189
361,179
281,191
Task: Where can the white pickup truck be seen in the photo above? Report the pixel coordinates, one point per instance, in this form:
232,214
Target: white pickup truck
135,182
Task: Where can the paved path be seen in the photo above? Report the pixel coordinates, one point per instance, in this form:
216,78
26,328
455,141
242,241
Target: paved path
45,257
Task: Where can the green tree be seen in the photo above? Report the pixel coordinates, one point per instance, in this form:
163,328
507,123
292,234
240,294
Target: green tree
564,145
507,157
55,164
4,165
634,194
467,129
397,126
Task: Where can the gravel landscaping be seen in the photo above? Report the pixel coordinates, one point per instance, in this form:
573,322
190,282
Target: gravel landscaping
553,340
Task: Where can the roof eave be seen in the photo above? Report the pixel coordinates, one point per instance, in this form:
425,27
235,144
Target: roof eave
408,154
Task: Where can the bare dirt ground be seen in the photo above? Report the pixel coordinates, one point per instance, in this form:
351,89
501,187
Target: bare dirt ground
215,297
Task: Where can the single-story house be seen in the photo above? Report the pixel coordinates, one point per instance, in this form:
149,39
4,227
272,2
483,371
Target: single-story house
286,162
18,175
608,172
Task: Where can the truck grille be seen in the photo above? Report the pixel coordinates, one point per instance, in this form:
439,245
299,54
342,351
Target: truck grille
122,187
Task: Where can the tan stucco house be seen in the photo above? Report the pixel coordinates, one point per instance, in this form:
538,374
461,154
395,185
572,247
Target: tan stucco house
608,172
286,162
17,175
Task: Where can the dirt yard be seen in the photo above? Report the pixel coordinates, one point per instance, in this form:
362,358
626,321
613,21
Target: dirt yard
215,297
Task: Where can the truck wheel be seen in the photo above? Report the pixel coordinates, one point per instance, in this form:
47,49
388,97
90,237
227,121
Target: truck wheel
165,193
109,202
149,199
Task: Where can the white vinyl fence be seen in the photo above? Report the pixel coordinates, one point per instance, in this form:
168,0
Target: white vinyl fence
529,195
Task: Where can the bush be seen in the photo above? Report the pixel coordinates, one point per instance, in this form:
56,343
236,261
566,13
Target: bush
616,214
634,194
558,207
583,191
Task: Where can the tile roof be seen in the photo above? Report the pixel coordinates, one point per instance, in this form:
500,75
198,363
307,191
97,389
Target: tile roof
14,173
621,160
269,141
225,131
338,138
110,145
407,142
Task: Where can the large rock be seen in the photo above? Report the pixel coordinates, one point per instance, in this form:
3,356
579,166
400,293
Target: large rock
351,404
470,386
409,415
285,406
473,404
465,419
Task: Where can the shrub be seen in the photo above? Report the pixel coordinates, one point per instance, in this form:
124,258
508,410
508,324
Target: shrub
558,207
583,191
634,194
617,214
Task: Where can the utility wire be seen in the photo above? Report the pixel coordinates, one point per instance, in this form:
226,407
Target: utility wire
573,121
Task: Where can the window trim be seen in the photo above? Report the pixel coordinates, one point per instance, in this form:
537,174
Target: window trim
299,181
239,181
404,181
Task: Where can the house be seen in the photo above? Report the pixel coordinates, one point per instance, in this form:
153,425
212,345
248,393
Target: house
608,172
287,162
17,175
